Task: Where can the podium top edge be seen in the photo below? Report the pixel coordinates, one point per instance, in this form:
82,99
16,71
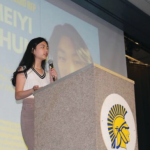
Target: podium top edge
88,66
114,73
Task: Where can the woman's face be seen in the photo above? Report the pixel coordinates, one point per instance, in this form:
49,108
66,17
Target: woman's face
41,51
67,58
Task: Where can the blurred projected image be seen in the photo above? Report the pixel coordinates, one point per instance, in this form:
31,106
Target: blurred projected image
68,50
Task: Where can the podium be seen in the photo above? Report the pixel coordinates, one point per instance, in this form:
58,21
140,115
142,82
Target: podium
90,109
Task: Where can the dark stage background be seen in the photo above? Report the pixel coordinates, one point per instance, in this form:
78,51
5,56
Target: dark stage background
141,75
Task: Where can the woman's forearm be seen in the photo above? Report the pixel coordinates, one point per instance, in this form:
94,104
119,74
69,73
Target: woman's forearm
23,94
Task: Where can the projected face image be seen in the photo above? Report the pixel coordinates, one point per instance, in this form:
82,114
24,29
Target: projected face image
67,58
68,50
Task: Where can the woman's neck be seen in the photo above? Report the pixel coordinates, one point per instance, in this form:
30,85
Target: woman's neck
37,64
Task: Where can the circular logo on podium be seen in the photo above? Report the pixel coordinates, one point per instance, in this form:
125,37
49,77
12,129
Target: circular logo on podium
117,124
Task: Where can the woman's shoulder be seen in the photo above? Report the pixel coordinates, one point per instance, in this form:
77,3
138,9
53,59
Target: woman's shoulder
26,72
47,72
21,69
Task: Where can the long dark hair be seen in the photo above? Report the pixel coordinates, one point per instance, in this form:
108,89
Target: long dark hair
78,42
28,58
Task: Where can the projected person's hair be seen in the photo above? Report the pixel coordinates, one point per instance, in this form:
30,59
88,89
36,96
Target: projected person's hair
68,50
28,58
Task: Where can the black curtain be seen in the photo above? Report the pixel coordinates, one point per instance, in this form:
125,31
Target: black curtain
141,75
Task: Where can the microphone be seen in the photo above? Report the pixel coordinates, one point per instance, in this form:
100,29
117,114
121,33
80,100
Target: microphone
50,62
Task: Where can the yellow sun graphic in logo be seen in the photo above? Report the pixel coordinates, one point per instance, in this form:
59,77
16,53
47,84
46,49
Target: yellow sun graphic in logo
117,127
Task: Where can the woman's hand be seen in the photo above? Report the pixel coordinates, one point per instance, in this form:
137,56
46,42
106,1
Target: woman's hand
53,74
36,87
